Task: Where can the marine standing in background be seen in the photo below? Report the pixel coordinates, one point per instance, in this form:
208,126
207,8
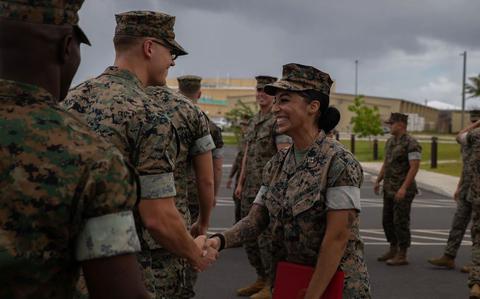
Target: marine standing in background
262,143
190,86
463,213
116,106
195,150
237,166
473,142
401,164
61,186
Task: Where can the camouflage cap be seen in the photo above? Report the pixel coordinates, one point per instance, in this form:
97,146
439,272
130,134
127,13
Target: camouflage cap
474,115
264,80
152,24
298,77
52,12
189,83
397,117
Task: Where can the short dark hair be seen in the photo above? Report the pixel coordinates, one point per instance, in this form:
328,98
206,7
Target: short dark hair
124,43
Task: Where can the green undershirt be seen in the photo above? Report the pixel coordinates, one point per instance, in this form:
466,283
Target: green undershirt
299,154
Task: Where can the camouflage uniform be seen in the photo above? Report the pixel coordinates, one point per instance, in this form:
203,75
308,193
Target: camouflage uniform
235,171
473,141
396,214
463,212
59,184
194,139
116,106
61,187
298,196
217,153
262,141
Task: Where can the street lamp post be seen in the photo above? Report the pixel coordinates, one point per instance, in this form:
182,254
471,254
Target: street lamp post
356,78
464,54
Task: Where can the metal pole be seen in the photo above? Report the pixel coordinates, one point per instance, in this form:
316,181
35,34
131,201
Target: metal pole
352,143
464,54
434,153
356,78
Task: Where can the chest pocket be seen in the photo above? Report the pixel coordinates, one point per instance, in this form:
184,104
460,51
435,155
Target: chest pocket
399,153
308,201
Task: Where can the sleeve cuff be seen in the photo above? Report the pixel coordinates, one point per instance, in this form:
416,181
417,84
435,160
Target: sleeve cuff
217,153
202,145
107,236
279,139
259,200
156,186
343,198
414,156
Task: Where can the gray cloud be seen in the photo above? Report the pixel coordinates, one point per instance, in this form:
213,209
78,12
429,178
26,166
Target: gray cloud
248,37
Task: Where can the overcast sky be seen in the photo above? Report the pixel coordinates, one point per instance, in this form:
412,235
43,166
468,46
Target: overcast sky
406,49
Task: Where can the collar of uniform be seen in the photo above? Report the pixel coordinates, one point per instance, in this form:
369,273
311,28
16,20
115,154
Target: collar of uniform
124,74
315,146
25,92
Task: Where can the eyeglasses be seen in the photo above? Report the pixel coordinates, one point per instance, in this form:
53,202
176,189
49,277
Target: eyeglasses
174,55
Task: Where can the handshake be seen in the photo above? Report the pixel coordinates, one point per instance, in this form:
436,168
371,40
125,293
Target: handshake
209,253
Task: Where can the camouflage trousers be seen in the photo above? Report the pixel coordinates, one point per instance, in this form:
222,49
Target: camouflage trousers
170,275
460,222
396,220
258,251
474,276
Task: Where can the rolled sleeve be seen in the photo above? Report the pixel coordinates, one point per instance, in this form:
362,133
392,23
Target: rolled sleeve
106,236
279,139
217,153
202,145
259,199
157,186
414,156
343,198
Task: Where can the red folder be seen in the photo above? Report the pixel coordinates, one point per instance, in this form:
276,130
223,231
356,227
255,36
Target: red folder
292,281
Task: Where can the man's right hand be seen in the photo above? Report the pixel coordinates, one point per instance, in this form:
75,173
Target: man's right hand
238,191
376,188
208,256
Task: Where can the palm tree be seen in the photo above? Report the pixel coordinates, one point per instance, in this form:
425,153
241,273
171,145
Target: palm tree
473,88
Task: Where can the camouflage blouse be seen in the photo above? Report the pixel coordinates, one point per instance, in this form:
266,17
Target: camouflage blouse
398,153
65,196
298,198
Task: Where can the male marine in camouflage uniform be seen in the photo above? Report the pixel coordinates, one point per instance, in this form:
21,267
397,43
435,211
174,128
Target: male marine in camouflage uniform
61,187
116,106
473,141
402,160
262,143
237,166
190,86
463,214
196,145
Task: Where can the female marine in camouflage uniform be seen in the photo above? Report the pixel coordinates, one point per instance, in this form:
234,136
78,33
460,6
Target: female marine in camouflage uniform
310,195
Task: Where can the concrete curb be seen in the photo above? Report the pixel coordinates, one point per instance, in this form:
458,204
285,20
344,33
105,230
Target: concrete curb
431,181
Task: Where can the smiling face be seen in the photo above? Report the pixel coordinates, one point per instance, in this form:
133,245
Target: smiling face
294,113
160,60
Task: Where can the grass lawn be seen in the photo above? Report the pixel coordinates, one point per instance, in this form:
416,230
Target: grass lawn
364,150
229,140
454,169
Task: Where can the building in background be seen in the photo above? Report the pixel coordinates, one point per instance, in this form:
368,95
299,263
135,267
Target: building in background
220,95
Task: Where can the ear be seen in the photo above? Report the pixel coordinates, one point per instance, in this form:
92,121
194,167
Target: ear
148,48
314,107
199,94
66,48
